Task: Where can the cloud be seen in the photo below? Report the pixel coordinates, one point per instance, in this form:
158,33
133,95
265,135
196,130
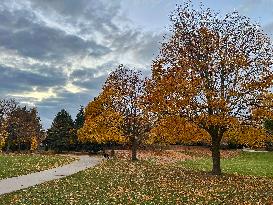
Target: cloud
87,78
56,54
36,40
16,80
85,16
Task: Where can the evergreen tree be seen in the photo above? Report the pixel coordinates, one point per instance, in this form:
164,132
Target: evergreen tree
268,125
79,121
61,135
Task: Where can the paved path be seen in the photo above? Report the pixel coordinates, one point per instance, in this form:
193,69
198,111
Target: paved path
251,150
21,182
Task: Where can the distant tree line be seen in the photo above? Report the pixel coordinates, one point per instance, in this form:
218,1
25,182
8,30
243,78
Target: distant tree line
21,130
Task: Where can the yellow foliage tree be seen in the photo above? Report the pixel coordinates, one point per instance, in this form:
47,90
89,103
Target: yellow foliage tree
211,71
102,124
116,115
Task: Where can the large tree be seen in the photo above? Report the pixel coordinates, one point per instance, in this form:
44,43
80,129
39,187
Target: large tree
212,71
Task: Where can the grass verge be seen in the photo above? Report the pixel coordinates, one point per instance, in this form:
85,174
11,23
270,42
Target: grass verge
246,163
16,165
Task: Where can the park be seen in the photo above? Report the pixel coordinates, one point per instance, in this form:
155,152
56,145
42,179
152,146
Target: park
198,129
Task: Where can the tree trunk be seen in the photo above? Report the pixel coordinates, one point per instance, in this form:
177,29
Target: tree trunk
8,147
8,144
134,149
216,168
215,149
112,153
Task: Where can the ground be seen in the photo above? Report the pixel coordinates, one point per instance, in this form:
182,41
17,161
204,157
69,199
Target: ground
247,163
150,181
16,165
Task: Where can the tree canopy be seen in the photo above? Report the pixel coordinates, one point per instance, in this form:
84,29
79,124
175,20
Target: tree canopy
116,114
212,71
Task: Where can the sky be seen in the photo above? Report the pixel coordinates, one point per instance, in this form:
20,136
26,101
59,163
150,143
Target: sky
56,54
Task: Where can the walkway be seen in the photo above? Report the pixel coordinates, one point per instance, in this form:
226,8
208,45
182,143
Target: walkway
25,181
251,150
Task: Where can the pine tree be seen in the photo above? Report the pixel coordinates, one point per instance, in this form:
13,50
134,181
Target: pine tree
79,121
61,134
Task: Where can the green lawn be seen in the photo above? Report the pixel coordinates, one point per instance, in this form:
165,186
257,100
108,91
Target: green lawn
144,182
247,163
15,165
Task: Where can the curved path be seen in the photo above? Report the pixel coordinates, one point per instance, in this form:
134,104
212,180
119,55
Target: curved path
21,182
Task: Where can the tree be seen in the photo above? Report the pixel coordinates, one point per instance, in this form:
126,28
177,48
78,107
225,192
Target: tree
116,115
102,124
61,133
268,125
91,146
212,71
24,128
6,107
79,121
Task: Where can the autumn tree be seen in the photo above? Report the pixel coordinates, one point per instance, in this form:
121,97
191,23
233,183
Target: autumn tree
102,124
61,134
90,146
24,129
212,71
116,114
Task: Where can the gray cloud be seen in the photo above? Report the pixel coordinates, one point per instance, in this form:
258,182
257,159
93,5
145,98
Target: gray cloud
61,42
84,14
69,101
16,80
36,40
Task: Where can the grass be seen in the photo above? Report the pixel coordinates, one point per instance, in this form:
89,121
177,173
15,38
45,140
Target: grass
15,165
145,182
247,163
